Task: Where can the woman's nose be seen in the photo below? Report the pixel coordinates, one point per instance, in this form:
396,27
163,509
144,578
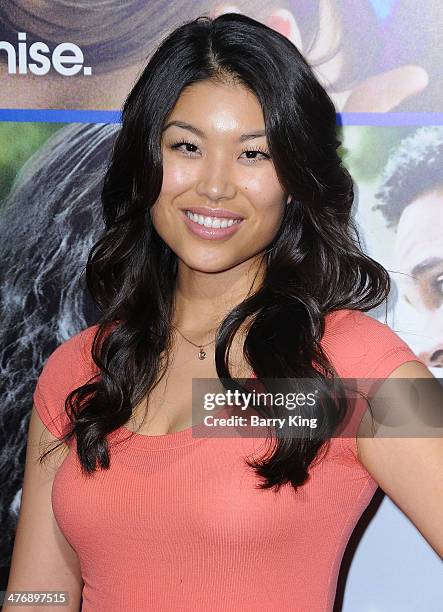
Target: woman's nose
216,181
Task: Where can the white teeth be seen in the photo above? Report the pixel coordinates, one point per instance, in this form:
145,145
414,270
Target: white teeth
216,222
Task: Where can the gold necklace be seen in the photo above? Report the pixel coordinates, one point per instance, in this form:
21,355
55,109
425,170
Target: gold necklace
201,353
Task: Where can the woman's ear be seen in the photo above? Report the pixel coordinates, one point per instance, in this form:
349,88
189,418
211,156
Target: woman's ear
289,200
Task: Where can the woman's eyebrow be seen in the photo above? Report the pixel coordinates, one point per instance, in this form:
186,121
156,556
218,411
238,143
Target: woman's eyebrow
201,134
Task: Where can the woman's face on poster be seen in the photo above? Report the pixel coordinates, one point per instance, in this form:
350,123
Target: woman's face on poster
109,60
419,259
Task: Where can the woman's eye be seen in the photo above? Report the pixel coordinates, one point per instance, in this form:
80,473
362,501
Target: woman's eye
257,152
179,145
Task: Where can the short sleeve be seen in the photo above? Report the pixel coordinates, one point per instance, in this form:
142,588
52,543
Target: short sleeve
361,347
66,368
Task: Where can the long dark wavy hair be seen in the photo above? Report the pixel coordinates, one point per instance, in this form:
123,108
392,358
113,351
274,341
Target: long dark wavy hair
314,265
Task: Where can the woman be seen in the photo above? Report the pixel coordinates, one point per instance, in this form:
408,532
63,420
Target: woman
228,252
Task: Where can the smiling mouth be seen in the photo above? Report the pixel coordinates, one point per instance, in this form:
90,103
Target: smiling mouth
212,222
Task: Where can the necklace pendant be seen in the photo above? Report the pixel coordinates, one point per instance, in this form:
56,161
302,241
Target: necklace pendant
201,354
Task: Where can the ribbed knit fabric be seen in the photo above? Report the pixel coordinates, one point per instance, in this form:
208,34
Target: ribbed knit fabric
177,523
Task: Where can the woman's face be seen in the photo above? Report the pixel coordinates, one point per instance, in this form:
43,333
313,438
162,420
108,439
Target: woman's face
215,168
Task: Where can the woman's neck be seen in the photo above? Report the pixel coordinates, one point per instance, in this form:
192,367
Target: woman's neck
202,300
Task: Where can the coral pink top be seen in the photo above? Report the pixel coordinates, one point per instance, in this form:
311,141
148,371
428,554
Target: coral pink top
176,523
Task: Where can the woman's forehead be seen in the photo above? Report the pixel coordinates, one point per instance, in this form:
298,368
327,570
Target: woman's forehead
213,108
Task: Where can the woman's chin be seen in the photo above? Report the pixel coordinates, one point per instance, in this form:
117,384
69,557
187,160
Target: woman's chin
207,265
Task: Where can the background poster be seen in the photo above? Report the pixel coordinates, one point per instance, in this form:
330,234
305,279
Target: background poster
65,69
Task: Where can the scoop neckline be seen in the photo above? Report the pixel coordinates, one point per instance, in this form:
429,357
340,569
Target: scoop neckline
176,439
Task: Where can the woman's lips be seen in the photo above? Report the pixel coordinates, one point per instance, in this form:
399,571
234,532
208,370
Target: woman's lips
210,233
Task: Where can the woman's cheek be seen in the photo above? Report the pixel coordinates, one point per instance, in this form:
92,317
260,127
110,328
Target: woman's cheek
263,186
268,198
176,178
